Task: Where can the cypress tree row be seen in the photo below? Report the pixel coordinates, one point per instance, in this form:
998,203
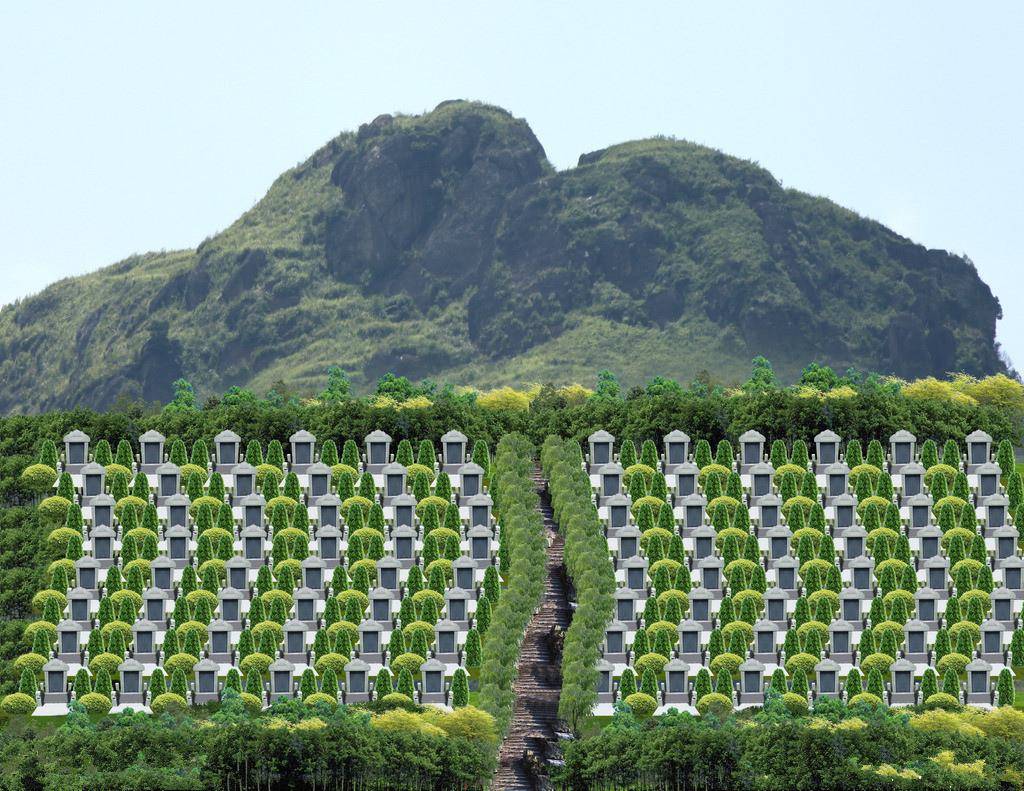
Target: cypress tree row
589,566
522,529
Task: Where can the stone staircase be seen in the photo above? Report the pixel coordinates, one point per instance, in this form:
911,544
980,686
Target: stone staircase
539,678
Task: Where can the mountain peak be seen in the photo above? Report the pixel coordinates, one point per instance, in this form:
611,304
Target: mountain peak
445,245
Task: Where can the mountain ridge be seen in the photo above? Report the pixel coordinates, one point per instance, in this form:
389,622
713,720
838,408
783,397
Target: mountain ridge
446,245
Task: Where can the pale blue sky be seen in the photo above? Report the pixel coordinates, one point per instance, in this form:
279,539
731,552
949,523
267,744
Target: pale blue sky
127,127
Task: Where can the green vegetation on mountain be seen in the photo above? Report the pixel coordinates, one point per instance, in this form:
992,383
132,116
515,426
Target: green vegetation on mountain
446,246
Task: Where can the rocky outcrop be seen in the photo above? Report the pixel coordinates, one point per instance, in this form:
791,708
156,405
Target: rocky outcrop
445,245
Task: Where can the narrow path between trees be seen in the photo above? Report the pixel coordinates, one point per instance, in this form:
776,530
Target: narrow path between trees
539,677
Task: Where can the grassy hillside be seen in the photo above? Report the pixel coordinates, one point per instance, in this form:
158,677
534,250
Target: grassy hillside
445,245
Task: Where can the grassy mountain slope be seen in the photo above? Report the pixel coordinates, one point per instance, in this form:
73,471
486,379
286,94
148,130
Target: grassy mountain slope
445,245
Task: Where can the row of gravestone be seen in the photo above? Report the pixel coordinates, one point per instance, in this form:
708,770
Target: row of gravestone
227,451
402,545
678,450
700,536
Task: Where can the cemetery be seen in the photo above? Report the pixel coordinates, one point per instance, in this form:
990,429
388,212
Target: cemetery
888,574
666,589
302,572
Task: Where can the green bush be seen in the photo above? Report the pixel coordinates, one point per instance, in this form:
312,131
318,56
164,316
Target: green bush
95,703
714,703
168,702
795,704
320,698
183,662
396,699
866,699
524,539
801,661
54,510
643,706
38,478
18,703
941,700
589,566
407,661
952,661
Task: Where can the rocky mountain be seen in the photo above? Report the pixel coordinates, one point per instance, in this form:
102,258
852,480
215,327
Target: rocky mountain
445,245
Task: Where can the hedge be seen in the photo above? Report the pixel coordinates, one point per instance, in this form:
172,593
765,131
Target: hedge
523,538
864,747
589,567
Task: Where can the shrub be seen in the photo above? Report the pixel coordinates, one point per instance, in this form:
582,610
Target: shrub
653,502
941,700
281,499
264,470
183,662
805,504
795,704
745,629
320,698
105,661
422,627
866,699
254,663
876,661
53,510
714,704
168,702
956,503
945,470
18,702
878,502
460,688
801,661
871,471
95,703
407,661
952,661
118,597
332,661
49,629
642,469
650,661
643,706
730,663
38,478
396,699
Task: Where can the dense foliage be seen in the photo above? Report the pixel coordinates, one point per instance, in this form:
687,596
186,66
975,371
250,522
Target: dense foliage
654,256
706,413
291,746
589,567
523,537
835,747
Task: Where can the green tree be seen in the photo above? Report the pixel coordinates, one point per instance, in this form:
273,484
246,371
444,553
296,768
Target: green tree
157,683
48,454
1004,688
929,684
853,684
337,390
472,649
460,688
307,683
405,684
183,399
608,387
103,685
951,683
